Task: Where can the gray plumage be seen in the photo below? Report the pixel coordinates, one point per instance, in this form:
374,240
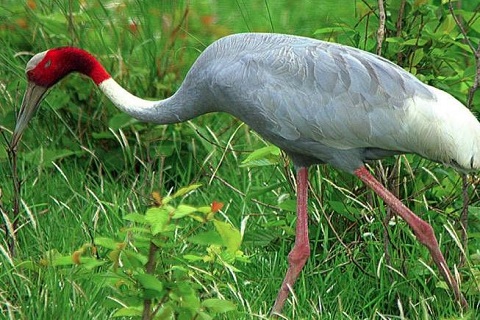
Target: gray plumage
320,102
323,102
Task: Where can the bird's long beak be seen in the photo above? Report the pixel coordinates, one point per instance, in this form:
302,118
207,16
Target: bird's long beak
31,100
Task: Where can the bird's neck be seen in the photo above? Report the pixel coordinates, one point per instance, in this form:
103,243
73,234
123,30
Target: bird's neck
178,108
75,59
187,103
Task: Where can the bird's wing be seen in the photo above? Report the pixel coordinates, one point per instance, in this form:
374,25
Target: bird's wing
339,96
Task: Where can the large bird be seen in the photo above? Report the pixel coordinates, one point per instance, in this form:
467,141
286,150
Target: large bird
322,103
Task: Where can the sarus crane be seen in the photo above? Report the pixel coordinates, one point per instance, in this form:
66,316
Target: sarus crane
320,102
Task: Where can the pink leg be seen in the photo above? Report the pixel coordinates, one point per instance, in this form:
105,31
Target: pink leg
301,250
423,231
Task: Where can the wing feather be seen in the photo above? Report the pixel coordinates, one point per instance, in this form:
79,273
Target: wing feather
309,90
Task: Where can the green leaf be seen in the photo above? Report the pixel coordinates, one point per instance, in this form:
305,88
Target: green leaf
137,230
182,211
343,209
227,258
165,149
448,25
129,312
121,120
417,57
167,311
138,257
262,157
204,209
62,261
474,221
91,263
415,42
470,16
218,305
288,205
158,218
186,296
47,156
200,315
106,243
230,235
149,282
460,44
206,238
394,40
135,217
185,190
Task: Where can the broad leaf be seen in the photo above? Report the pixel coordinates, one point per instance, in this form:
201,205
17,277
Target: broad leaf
135,217
129,312
265,156
206,238
107,243
218,305
182,211
185,190
158,219
149,282
230,235
121,120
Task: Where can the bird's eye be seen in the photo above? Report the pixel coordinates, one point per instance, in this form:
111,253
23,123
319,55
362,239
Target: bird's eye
48,64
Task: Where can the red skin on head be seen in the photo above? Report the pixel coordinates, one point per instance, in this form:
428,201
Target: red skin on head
59,62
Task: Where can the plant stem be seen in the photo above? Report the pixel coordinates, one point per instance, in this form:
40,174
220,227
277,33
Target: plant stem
381,26
149,268
11,224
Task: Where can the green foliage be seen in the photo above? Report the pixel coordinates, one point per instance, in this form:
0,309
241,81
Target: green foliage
143,261
269,155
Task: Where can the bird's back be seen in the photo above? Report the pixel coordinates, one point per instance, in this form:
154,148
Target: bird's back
327,103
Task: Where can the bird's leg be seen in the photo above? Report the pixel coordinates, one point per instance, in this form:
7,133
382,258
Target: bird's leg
301,250
423,231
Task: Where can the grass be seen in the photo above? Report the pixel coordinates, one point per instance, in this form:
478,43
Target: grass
81,178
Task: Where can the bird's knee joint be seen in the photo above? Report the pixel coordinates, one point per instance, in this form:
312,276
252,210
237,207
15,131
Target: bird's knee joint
299,253
425,234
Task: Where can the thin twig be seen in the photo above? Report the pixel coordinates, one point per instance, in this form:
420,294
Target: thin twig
399,27
460,26
149,268
464,219
381,26
12,223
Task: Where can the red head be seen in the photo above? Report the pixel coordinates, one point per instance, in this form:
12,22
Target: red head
44,70
47,68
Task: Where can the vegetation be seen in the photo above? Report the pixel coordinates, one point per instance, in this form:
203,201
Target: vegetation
99,188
